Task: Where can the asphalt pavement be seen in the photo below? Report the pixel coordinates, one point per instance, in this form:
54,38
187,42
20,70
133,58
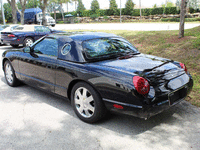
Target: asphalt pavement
32,119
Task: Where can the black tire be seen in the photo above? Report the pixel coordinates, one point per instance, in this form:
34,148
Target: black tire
28,41
88,109
14,45
53,25
9,74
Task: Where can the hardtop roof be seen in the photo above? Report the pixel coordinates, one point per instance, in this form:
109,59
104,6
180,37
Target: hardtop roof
83,36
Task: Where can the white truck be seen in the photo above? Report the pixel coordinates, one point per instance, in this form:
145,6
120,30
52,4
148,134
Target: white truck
34,15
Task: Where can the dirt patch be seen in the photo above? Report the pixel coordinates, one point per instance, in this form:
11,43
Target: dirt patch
175,39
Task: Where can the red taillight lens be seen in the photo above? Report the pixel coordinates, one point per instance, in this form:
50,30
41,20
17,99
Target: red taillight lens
183,66
141,85
11,35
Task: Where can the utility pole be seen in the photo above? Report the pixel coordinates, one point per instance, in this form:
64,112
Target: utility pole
182,18
140,9
120,12
3,16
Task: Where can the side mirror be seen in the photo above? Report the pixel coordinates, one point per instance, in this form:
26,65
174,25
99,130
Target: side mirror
27,49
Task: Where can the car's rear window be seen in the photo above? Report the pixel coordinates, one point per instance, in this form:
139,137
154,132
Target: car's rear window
105,47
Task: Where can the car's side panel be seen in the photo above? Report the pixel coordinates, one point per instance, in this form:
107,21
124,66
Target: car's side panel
38,71
109,86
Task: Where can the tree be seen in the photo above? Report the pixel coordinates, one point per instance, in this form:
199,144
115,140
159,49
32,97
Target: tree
113,7
154,6
169,4
32,4
53,7
80,7
21,12
182,18
14,10
129,6
95,6
43,5
191,3
61,6
8,12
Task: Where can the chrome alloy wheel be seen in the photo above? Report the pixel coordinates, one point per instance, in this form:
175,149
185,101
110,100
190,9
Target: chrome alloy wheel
84,102
9,73
29,42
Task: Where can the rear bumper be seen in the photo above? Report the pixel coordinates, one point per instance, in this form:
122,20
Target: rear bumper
12,41
148,110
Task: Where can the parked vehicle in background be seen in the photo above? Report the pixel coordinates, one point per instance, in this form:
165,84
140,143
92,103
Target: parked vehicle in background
99,72
34,16
25,35
7,28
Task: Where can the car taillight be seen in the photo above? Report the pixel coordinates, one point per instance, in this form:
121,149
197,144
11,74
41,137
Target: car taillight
11,35
183,66
141,85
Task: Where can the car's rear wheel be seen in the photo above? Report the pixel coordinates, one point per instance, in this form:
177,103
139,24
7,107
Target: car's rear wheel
14,45
10,74
87,103
28,41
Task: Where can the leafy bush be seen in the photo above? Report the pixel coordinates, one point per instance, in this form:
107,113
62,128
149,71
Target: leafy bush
94,16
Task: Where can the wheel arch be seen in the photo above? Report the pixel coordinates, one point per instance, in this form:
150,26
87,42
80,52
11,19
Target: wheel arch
74,82
29,37
3,62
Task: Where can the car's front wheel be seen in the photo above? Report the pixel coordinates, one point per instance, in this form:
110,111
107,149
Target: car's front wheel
28,41
87,103
10,74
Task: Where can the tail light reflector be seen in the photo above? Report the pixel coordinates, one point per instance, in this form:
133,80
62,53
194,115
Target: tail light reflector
183,66
118,106
141,85
11,35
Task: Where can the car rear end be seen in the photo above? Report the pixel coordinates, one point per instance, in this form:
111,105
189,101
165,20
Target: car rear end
11,38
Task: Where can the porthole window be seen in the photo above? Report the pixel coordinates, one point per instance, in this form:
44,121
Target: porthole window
65,50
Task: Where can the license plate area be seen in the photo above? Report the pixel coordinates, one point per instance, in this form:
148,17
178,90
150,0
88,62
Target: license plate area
177,95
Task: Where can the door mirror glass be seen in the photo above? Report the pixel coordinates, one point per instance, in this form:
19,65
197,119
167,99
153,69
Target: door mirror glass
27,49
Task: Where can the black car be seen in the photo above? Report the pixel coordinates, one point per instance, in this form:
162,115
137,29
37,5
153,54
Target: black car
25,35
99,72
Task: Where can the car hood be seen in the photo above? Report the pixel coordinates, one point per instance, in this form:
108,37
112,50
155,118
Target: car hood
139,63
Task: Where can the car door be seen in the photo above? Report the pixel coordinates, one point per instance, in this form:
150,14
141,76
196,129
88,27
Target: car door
38,68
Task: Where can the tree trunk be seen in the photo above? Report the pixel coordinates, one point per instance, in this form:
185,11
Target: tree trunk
182,18
55,14
22,17
44,21
67,7
75,5
61,11
14,11
23,5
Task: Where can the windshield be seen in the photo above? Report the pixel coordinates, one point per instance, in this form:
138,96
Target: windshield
101,48
47,14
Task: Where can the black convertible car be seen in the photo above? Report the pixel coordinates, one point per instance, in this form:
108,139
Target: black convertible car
99,72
